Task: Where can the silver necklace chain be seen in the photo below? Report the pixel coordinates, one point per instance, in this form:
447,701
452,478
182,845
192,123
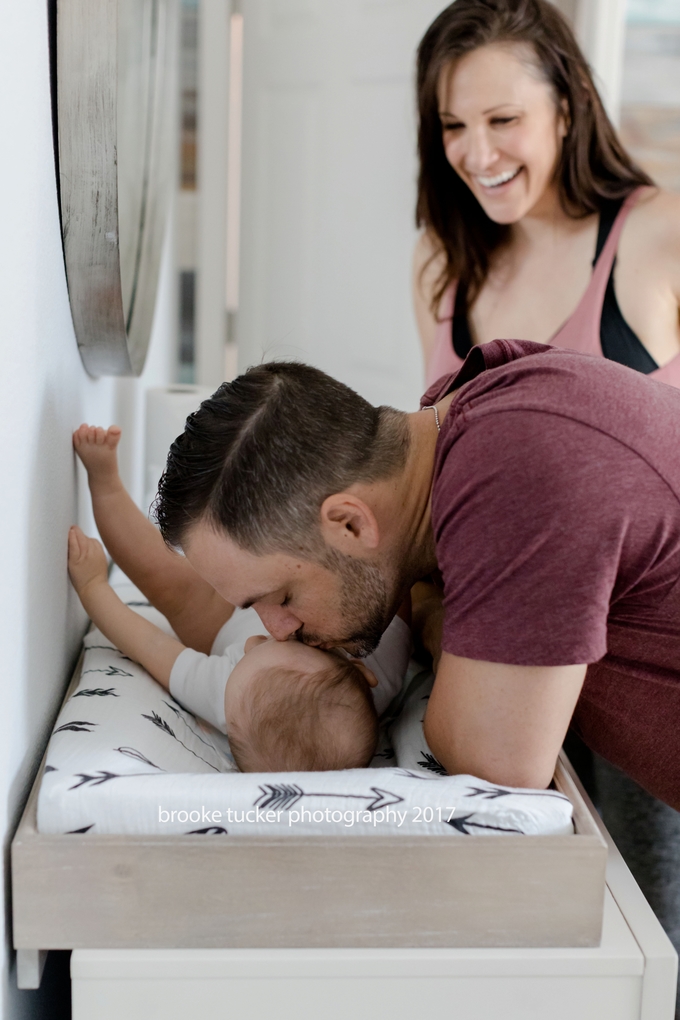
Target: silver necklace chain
433,407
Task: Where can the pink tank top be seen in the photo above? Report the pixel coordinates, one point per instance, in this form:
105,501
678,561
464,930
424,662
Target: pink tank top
581,331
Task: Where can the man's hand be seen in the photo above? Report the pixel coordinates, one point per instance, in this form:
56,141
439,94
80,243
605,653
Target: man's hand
87,564
501,723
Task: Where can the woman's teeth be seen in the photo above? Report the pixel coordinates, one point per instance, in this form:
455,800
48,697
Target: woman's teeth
495,182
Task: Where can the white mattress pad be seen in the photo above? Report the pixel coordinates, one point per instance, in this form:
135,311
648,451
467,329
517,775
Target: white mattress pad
125,757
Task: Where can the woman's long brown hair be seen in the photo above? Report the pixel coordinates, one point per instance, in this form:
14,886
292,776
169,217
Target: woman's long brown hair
594,167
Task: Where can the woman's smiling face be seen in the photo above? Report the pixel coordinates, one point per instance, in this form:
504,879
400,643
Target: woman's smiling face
502,130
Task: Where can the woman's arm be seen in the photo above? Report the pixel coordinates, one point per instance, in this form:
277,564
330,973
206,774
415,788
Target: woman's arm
426,271
128,631
647,273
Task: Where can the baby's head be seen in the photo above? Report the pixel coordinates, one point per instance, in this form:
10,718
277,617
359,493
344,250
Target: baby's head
292,708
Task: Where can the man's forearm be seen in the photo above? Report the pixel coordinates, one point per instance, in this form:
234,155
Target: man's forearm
136,637
503,723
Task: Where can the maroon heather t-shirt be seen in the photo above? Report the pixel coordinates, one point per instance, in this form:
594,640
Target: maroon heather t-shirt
556,515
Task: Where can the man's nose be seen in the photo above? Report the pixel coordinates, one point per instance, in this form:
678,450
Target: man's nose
279,621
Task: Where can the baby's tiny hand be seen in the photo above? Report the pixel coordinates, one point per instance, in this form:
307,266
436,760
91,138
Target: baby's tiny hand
86,560
97,448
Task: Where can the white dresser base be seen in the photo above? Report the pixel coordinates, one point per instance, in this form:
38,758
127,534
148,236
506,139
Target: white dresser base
630,976
363,984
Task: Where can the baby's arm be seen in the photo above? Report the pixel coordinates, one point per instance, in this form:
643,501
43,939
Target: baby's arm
128,631
193,608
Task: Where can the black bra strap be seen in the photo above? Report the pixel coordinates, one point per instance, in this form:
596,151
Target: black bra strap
610,330
608,213
460,325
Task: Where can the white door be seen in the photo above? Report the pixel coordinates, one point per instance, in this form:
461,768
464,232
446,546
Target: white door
329,171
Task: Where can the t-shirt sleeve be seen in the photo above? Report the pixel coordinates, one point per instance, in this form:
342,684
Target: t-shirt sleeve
199,681
529,537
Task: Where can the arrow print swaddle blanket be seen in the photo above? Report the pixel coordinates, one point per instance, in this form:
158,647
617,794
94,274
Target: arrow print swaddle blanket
125,757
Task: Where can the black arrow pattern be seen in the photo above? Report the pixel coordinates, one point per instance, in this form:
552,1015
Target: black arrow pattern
429,762
170,718
132,752
284,796
212,830
182,714
108,648
158,721
76,726
463,825
94,780
103,776
109,671
499,791
97,692
412,775
281,796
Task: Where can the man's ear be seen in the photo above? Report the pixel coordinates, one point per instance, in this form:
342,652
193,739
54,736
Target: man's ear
348,524
370,677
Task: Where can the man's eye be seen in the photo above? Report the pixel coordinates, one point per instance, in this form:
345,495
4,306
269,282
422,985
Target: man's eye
286,600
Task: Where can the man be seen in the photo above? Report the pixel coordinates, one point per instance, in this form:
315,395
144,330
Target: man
545,487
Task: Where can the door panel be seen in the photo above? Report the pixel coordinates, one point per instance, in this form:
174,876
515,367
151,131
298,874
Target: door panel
329,189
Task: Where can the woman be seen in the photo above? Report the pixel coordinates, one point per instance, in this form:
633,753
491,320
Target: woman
538,225
523,188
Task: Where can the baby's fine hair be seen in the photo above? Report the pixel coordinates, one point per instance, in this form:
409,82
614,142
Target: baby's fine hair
290,723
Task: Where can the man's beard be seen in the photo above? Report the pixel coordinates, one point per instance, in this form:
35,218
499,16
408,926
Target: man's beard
364,604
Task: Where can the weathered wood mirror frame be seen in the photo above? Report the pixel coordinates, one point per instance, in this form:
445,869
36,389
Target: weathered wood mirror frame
116,68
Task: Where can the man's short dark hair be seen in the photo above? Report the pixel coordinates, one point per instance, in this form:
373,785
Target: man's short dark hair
261,455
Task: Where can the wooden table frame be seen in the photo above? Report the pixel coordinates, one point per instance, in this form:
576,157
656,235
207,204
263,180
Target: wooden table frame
135,892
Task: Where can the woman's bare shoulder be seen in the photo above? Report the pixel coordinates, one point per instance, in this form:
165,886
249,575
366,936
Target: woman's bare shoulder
428,263
655,217
648,258
428,255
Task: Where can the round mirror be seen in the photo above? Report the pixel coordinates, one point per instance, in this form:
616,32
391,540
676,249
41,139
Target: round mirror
116,65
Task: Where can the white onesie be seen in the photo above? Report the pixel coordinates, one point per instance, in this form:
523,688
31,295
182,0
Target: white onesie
198,681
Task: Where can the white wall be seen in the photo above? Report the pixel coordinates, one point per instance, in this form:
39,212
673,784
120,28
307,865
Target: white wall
329,168
44,394
213,114
600,28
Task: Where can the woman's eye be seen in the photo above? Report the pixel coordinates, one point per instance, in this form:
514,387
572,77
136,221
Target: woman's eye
452,127
500,121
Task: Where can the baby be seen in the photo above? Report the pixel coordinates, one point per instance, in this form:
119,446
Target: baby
286,706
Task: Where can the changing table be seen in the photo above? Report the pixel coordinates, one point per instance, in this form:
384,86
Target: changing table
630,976
309,927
